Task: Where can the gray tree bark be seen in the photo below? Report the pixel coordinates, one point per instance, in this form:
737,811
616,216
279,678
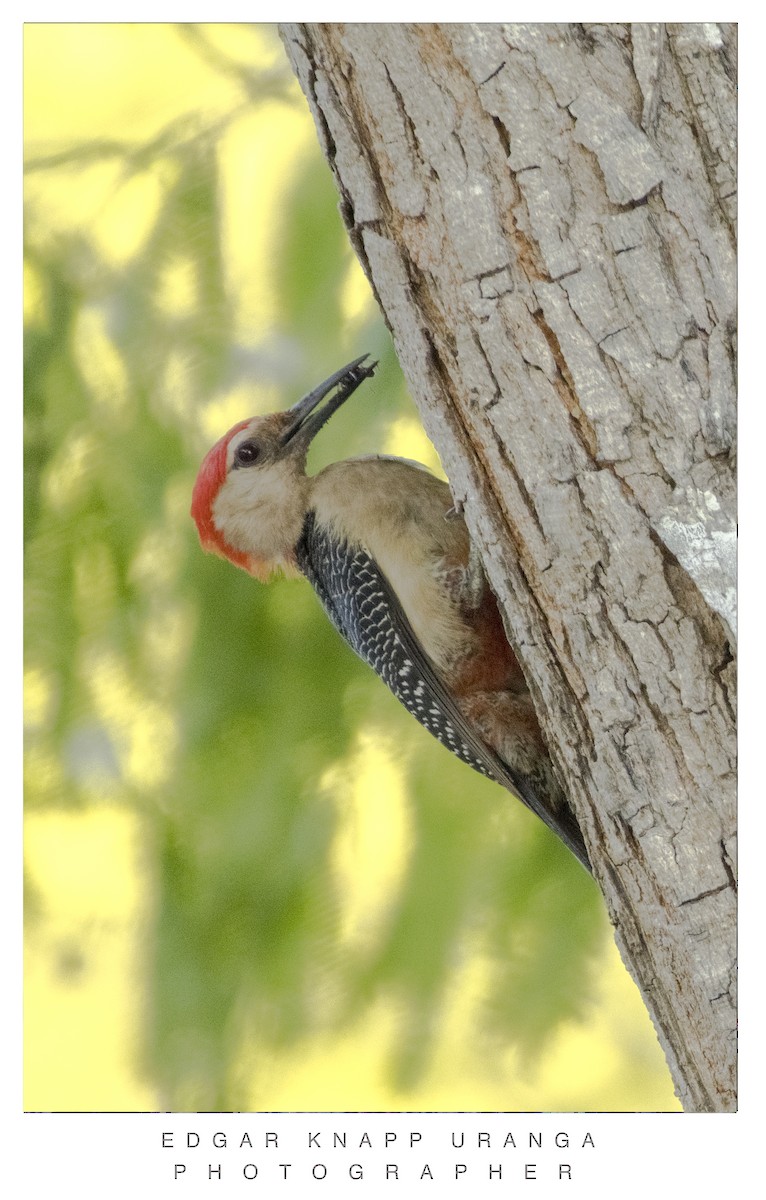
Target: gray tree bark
546,216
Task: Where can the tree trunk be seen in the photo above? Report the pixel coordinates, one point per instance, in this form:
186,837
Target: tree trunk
546,216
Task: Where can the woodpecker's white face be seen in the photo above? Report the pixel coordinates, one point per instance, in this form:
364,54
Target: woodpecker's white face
261,504
251,495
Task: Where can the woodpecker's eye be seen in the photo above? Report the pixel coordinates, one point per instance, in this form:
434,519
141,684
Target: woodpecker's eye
246,454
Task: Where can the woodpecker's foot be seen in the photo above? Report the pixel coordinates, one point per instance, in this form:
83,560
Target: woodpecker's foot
474,580
457,510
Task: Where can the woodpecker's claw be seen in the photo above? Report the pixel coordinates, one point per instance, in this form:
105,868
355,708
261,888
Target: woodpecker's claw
457,510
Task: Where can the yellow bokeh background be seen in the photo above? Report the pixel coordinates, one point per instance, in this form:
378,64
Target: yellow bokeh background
94,902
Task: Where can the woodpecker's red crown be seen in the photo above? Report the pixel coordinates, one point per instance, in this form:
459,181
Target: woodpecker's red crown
210,478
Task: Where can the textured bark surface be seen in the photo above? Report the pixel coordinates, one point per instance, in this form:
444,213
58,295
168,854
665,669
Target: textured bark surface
546,215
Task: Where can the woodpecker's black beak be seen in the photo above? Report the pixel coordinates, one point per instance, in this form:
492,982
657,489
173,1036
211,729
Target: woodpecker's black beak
307,419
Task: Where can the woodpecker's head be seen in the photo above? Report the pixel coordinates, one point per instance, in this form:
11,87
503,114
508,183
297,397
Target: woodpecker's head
251,494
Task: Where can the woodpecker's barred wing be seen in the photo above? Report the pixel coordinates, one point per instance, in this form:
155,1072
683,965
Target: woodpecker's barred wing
361,604
363,607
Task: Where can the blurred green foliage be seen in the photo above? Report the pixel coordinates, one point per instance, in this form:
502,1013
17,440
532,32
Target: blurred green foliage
216,707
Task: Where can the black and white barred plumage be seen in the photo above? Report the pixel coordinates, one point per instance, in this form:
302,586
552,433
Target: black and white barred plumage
363,608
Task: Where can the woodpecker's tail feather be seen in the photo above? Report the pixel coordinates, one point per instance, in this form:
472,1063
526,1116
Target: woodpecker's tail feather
560,820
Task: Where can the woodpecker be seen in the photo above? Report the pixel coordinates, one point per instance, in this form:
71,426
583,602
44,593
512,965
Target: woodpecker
390,558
